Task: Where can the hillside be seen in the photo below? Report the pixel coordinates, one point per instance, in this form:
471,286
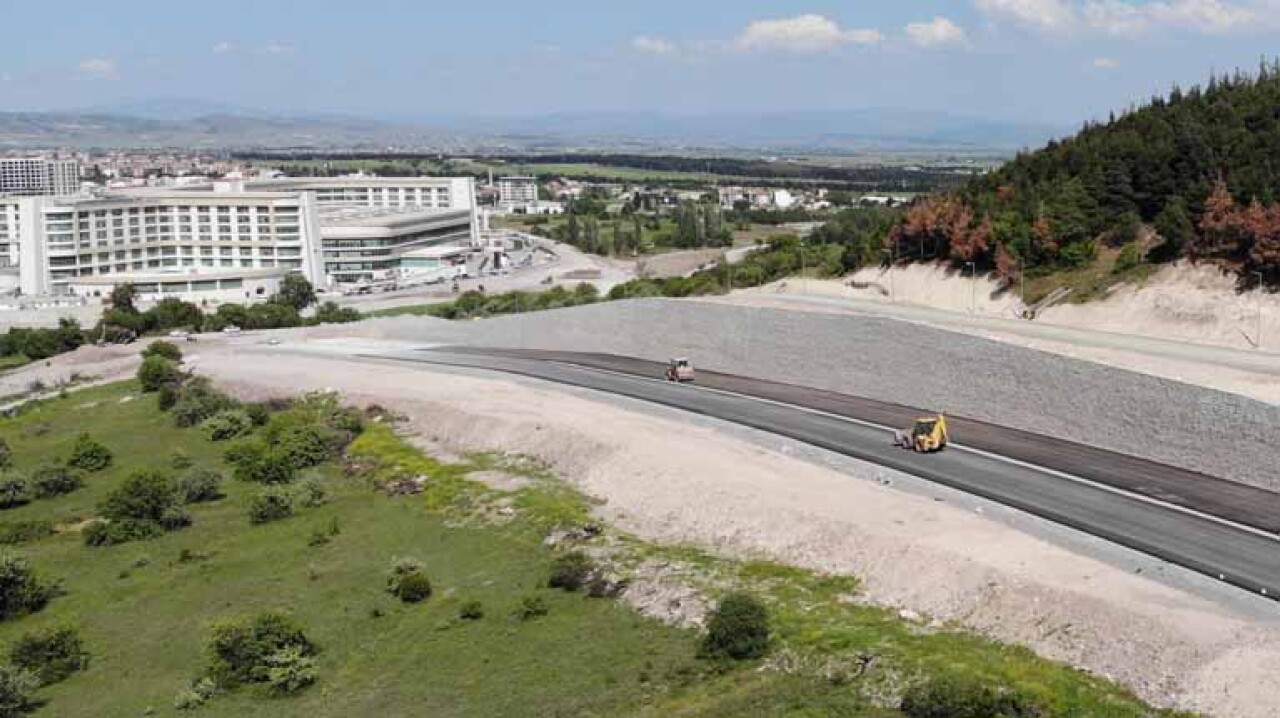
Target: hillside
1191,174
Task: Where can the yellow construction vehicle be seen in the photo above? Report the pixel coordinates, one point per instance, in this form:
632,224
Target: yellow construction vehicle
929,434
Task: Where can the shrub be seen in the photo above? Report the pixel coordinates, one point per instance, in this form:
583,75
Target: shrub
21,591
6,454
157,372
953,697
165,350
258,413
174,518
197,400
13,491
331,313
179,460
89,455
471,611
408,581
17,532
305,446
571,571
255,462
199,486
241,651
51,655
195,695
273,504
1129,257
311,494
289,670
738,628
144,496
16,687
53,480
531,607
228,424
166,397
111,533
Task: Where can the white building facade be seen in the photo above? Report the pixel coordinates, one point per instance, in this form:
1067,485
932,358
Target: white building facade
232,242
30,177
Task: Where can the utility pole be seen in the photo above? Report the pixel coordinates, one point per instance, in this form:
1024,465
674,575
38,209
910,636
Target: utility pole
1260,292
973,287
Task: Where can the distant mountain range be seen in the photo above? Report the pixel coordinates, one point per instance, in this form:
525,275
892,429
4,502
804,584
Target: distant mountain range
194,124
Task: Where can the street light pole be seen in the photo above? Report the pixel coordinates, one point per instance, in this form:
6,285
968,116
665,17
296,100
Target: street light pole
973,287
1260,288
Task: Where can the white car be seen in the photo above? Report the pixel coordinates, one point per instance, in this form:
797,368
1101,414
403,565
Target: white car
178,334
231,330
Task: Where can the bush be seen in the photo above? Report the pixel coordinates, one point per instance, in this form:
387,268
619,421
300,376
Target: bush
272,504
17,532
256,463
258,413
1130,257
21,591
144,496
571,571
305,446
166,397
157,372
311,494
228,424
408,581
51,655
531,607
738,628
331,313
471,611
199,486
246,651
196,401
174,518
110,533
289,670
165,350
14,491
53,480
952,697
179,460
6,454
16,687
196,695
89,455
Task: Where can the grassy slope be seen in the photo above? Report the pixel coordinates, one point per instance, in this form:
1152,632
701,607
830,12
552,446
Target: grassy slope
144,614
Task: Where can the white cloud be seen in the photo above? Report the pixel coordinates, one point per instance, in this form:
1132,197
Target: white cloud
803,33
938,32
278,48
1116,17
1049,15
653,45
1106,63
223,48
99,67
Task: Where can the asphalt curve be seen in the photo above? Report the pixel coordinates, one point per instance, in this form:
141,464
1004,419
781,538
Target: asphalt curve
1244,558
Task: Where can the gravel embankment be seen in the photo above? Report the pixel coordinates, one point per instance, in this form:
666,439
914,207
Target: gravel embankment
1195,428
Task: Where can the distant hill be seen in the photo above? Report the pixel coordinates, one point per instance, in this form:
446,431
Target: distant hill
1195,173
186,123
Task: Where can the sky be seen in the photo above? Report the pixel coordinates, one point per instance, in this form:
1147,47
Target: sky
1029,61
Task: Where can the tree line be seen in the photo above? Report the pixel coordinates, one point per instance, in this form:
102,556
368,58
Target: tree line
1198,167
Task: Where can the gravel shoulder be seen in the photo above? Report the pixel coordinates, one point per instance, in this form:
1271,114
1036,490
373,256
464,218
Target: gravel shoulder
1175,638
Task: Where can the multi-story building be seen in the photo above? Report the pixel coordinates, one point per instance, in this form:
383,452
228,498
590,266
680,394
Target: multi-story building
35,176
517,193
230,242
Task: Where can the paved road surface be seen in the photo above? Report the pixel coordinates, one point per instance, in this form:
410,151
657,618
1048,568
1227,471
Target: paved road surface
1243,557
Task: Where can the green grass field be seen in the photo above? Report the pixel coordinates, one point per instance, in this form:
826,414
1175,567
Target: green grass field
144,613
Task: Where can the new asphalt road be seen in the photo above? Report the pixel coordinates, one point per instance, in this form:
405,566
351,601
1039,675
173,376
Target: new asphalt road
1245,557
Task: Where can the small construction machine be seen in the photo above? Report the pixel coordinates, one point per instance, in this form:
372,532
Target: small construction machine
928,435
680,370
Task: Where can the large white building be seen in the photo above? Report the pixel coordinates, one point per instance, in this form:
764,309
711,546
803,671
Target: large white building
517,193
230,241
36,176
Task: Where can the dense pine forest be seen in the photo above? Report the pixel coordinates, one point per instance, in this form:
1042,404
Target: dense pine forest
1195,174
